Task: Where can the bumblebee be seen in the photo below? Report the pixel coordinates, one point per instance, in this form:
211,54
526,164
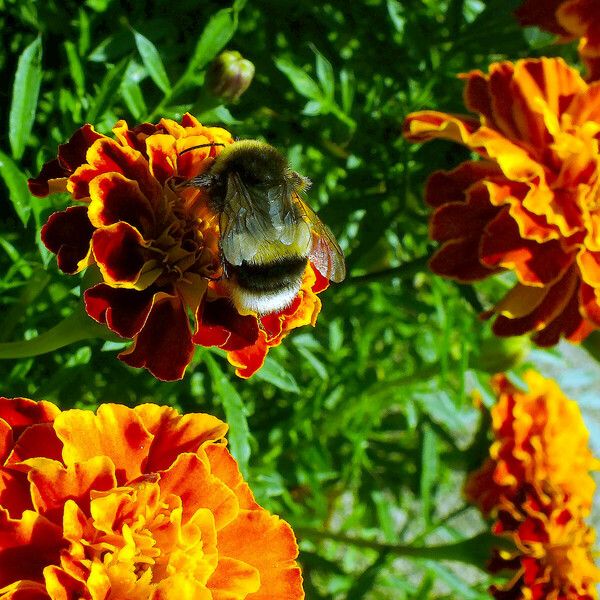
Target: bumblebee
267,232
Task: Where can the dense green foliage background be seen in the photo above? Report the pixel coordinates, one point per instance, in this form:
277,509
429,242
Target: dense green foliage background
363,426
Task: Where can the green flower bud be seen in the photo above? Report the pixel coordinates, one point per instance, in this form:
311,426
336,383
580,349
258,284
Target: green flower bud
229,75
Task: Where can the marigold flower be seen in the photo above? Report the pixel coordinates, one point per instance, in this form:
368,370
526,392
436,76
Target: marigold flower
537,486
142,504
155,243
532,204
571,19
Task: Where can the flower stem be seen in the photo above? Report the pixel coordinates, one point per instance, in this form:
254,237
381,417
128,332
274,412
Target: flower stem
474,551
74,328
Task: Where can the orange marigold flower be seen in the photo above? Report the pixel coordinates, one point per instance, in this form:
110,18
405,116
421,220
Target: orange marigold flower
155,243
141,503
538,488
532,204
571,19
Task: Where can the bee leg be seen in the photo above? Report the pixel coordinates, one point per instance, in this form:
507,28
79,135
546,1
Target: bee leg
206,180
300,183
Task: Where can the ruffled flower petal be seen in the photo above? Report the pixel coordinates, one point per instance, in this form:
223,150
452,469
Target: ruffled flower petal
536,485
530,205
155,241
141,504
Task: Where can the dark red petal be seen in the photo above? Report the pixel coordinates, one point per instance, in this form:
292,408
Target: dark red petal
458,259
39,439
164,345
123,311
537,263
15,493
564,325
548,310
26,548
38,186
451,186
220,324
116,198
72,154
68,234
541,14
22,412
119,252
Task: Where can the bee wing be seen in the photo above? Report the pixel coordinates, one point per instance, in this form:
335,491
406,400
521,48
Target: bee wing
325,252
253,217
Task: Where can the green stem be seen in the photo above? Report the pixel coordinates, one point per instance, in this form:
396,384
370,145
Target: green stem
74,328
474,551
404,271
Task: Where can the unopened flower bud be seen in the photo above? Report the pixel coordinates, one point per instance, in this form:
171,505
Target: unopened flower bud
230,75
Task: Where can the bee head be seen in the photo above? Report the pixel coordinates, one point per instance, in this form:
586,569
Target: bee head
257,163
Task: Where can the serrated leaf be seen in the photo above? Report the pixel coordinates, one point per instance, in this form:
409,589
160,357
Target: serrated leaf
152,61
26,89
218,31
272,372
16,182
303,83
235,413
107,91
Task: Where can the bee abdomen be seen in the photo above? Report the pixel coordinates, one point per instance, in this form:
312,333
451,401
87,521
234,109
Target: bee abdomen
268,287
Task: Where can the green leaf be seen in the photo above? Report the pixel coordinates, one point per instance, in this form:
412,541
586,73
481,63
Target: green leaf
16,182
75,68
429,470
214,38
303,83
366,580
134,99
325,74
273,373
152,62
26,89
347,84
235,413
107,91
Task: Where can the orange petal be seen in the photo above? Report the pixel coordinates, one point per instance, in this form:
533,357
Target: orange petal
428,124
225,467
190,479
176,434
233,580
280,576
52,483
180,587
114,431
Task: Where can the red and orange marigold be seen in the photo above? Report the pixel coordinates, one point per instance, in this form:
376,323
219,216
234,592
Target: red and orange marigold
155,244
136,504
531,204
537,486
571,19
